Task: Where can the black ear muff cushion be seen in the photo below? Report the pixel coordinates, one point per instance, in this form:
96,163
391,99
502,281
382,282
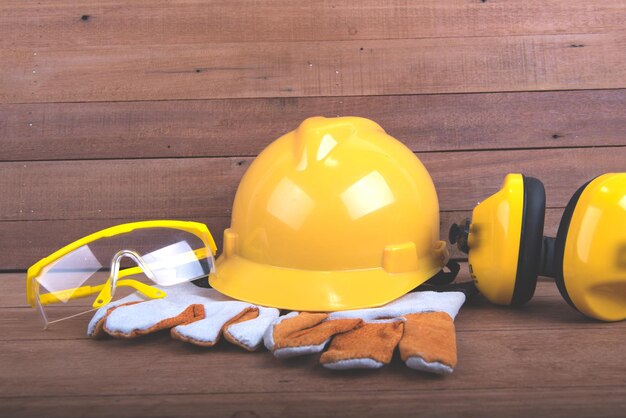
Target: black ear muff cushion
530,241
559,244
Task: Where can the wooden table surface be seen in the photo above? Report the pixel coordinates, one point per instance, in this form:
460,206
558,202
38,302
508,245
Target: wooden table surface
542,360
115,111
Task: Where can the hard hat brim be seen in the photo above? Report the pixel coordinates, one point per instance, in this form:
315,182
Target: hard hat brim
308,290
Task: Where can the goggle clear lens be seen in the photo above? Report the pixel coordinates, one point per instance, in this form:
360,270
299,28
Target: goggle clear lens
110,268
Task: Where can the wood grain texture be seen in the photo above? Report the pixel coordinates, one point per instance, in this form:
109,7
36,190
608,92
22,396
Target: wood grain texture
594,355
112,111
553,402
234,127
546,351
307,69
546,311
25,242
48,23
205,187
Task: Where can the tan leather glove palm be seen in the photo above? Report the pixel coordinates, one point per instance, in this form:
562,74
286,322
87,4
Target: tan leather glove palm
420,324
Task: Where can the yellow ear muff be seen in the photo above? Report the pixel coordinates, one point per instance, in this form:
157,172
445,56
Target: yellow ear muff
504,240
590,249
587,258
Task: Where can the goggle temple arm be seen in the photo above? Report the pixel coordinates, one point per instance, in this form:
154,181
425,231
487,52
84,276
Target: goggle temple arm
107,293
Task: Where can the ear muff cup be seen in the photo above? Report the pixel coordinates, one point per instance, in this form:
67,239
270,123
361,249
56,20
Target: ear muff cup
559,245
531,236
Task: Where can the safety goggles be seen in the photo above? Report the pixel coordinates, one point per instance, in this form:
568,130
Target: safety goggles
104,266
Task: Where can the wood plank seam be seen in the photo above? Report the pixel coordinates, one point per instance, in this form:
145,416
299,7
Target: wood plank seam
252,156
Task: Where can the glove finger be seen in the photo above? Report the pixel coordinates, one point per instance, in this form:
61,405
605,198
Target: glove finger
96,325
429,342
95,329
369,346
147,317
218,317
297,334
247,331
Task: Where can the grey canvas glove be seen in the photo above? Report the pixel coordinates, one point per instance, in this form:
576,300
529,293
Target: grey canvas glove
194,314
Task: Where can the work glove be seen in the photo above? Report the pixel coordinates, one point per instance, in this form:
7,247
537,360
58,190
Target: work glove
193,314
420,324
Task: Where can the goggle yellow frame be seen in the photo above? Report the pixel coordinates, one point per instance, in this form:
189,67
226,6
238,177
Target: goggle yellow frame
196,228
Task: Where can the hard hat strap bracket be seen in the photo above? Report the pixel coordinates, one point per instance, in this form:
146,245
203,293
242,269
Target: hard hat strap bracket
445,277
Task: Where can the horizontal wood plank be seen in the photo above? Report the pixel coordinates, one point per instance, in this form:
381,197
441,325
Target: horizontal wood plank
12,300
582,401
234,127
544,312
547,310
205,187
308,69
159,365
25,242
48,204
61,23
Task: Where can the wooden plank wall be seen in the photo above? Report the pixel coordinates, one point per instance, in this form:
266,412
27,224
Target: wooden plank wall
112,111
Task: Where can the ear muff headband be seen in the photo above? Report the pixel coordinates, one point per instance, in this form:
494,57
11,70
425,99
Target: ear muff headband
559,245
533,215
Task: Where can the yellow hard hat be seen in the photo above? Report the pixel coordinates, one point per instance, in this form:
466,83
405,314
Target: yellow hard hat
334,215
